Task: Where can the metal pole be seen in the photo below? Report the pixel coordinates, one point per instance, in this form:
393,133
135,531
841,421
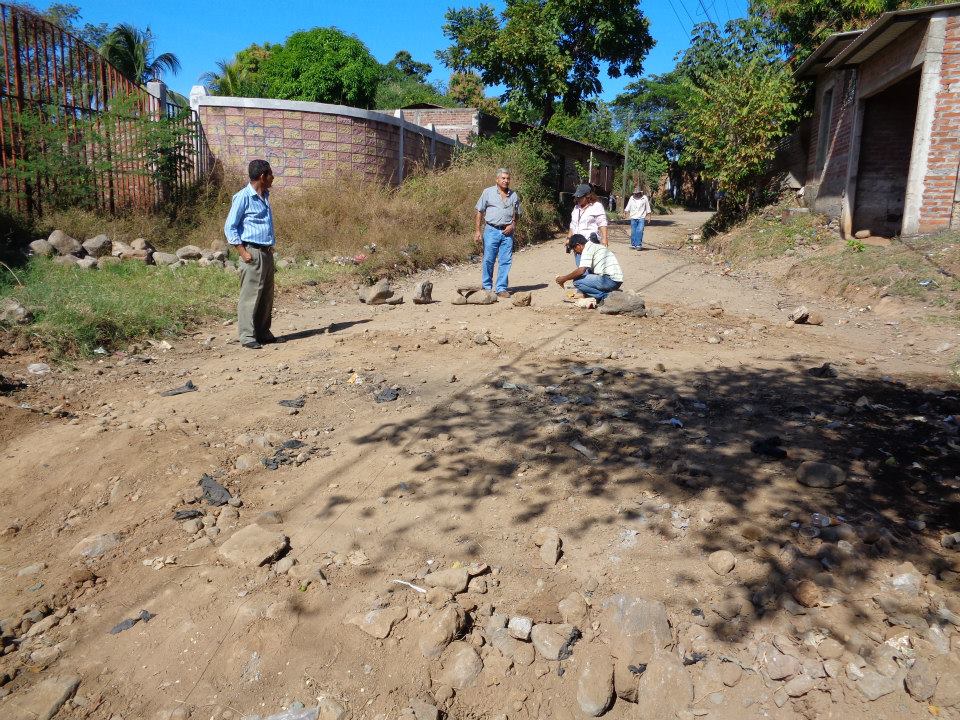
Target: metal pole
626,158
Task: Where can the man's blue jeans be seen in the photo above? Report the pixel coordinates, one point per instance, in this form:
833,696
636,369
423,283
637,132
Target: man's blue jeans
596,286
636,232
497,248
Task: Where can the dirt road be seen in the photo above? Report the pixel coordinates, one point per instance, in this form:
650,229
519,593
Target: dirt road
647,443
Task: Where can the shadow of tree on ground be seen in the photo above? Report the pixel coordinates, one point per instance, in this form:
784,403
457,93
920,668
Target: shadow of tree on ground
551,438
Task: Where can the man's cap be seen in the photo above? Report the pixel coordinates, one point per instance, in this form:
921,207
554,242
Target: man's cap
576,240
583,189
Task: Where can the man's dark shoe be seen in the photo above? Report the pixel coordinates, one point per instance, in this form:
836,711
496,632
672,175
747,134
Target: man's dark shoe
252,345
270,339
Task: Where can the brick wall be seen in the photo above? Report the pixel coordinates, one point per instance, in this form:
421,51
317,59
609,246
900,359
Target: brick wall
457,123
825,186
824,189
310,142
940,184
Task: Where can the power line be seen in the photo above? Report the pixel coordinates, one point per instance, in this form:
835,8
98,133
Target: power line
684,6
679,20
709,19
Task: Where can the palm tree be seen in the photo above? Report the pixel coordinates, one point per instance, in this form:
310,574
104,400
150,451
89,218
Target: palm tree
229,79
130,50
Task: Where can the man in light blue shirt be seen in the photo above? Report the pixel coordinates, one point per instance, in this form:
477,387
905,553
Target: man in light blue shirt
249,229
497,211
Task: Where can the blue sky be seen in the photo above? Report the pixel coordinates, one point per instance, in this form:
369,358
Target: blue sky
200,32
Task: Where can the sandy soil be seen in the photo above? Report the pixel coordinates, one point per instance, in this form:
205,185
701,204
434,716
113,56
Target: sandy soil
473,458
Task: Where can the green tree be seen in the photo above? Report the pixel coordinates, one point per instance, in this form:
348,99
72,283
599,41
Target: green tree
320,65
545,50
132,52
404,64
466,90
806,23
595,126
731,119
68,17
230,79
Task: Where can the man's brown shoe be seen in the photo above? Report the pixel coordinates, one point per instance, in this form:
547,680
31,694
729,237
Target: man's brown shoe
503,294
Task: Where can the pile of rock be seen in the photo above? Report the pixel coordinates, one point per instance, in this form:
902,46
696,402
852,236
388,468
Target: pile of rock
100,251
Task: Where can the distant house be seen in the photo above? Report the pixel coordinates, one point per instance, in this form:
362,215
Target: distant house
884,144
465,123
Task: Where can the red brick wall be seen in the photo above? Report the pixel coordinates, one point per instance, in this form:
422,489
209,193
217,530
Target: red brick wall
457,123
303,146
940,183
824,190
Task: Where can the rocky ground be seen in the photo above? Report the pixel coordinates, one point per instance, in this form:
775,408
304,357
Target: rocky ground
419,511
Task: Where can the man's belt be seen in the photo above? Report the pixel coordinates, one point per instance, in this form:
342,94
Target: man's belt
499,227
261,248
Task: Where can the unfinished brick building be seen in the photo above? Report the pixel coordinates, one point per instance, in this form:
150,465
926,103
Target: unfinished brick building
569,155
885,139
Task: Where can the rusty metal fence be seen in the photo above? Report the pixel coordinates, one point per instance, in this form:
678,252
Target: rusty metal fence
62,104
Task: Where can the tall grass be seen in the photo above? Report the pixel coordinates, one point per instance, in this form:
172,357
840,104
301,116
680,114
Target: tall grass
427,220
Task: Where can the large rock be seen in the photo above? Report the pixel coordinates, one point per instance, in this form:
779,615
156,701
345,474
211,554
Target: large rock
947,693
87,262
550,544
162,258
329,708
376,294
439,630
623,303
778,665
554,642
64,244
190,252
595,685
820,475
721,561
119,248
94,546
460,666
874,686
42,248
637,626
521,653
423,293
453,579
142,244
378,622
573,609
66,260
13,313
43,700
665,688
98,246
253,546
921,680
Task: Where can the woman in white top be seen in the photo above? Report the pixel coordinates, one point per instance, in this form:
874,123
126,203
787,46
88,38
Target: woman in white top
588,217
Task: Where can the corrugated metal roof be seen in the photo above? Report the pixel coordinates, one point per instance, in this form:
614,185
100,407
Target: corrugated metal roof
887,28
828,50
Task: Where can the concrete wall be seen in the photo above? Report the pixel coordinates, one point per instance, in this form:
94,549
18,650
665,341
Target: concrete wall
309,142
457,123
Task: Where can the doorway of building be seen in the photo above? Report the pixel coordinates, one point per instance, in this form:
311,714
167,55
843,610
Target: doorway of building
886,140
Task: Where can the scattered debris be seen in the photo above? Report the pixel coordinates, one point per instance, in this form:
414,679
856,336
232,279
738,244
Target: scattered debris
144,615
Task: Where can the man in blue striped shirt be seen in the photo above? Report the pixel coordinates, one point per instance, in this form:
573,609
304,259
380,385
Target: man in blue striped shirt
249,229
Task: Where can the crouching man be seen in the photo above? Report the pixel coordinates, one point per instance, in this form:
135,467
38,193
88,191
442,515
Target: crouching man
598,273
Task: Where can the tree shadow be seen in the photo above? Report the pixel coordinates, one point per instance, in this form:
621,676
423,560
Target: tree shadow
652,445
